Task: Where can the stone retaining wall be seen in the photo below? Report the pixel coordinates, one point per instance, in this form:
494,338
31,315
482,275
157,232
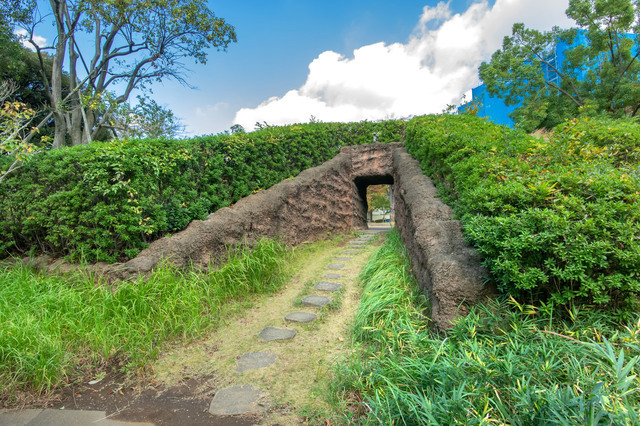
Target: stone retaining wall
447,268
330,198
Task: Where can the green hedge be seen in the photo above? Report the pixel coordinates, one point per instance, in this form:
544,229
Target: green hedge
556,219
107,201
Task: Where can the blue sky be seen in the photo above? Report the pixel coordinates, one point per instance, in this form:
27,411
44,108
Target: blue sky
345,60
277,40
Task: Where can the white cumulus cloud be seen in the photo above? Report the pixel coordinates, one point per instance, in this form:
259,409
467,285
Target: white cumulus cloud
24,39
437,64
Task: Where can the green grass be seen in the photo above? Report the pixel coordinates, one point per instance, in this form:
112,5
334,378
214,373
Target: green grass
504,363
52,326
389,295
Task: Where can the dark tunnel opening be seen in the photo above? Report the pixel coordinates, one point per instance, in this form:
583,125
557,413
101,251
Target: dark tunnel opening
362,183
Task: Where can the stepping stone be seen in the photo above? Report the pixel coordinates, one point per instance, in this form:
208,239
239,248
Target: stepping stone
255,360
351,252
335,266
327,286
331,276
58,417
316,300
300,317
273,333
236,400
343,258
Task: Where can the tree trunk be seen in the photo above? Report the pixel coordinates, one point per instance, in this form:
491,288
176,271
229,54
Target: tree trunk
77,122
57,6
76,126
60,130
89,119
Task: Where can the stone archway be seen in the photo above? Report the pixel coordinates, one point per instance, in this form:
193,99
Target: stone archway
331,198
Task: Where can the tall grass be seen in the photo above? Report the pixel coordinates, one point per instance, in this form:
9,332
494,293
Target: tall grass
504,363
51,325
390,296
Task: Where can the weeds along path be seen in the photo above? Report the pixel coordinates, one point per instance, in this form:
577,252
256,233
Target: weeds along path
270,363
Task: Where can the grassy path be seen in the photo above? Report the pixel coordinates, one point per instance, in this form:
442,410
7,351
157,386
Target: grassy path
301,371
176,382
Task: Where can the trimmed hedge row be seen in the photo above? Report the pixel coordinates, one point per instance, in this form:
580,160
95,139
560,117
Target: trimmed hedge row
107,201
555,219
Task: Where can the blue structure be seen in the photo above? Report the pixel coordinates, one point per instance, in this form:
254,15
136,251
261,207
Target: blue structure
495,109
490,107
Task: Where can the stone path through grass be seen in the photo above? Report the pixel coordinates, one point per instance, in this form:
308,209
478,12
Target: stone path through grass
270,364
307,321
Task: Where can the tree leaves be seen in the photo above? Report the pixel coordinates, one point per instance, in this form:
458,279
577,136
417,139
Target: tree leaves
134,44
592,69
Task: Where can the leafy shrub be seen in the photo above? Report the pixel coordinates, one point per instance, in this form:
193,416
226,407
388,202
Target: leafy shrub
555,219
107,201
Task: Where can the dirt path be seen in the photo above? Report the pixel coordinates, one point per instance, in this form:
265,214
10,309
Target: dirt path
290,386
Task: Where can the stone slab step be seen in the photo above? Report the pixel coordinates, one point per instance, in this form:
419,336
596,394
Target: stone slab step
351,252
235,400
255,361
342,259
327,286
269,334
314,300
331,276
335,266
301,317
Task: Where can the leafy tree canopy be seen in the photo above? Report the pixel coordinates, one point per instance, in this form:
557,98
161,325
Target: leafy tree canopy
15,120
133,43
378,197
599,75
147,119
22,69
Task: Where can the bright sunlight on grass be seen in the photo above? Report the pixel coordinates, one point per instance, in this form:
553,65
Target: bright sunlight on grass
503,363
50,326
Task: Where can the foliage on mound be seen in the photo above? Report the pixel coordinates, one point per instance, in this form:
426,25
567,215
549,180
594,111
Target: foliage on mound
556,219
505,363
107,201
